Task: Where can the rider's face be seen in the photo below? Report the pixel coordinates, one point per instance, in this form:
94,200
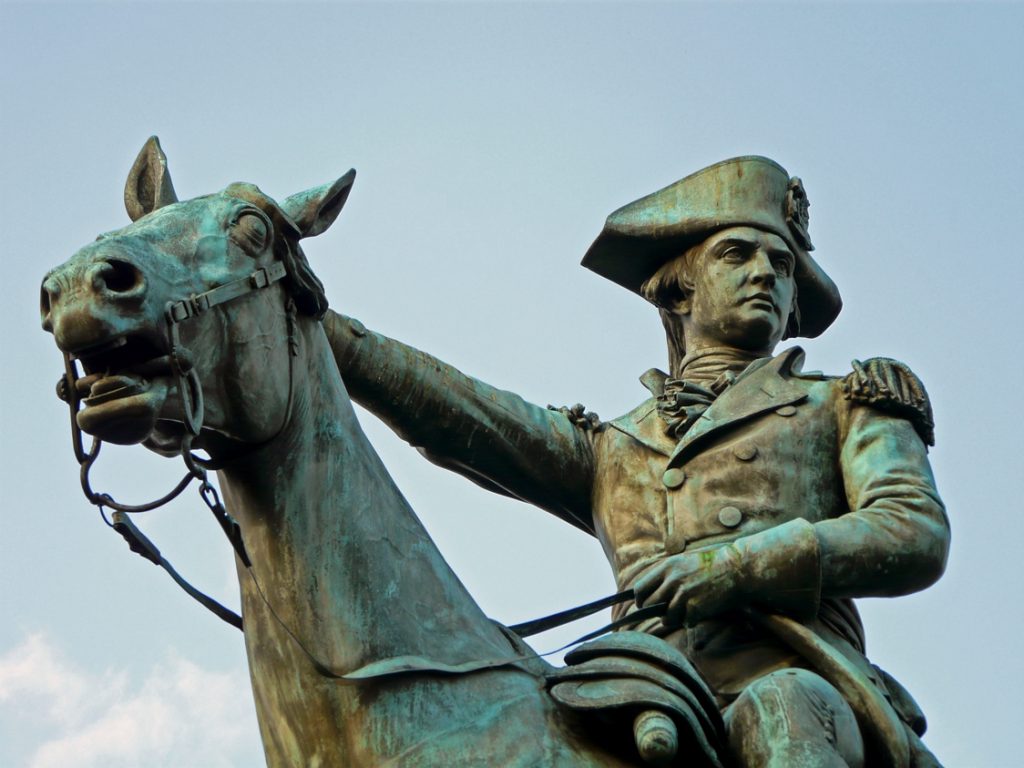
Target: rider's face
743,291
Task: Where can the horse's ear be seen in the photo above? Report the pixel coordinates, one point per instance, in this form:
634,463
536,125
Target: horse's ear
149,184
316,209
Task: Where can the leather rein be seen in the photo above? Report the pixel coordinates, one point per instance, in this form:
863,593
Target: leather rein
875,714
191,394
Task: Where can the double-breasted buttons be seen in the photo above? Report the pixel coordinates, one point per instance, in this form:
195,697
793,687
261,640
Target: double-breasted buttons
674,477
786,410
745,452
730,517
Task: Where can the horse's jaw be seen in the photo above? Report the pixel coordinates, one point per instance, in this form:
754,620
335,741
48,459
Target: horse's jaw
128,418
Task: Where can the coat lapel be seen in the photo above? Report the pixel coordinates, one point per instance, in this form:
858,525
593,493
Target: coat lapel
764,389
645,425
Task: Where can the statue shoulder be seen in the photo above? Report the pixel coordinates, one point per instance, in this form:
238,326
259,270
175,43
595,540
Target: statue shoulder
891,386
653,381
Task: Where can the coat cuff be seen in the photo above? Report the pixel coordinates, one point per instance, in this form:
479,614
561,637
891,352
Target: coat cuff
781,569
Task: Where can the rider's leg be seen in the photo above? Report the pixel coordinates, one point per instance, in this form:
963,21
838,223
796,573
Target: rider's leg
793,719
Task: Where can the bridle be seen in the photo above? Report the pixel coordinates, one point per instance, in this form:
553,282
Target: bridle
190,392
191,395
883,723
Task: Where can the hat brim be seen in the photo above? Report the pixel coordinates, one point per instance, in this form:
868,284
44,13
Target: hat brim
640,237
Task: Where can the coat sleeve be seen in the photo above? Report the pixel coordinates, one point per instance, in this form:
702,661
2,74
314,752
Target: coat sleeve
493,437
895,538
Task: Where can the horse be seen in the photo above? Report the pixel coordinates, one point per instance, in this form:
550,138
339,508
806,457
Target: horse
196,327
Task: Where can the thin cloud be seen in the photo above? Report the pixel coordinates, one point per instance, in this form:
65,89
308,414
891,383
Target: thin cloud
179,714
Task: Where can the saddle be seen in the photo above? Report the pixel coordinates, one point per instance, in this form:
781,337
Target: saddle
636,681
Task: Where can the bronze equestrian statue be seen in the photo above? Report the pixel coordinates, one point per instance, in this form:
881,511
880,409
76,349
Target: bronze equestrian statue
744,503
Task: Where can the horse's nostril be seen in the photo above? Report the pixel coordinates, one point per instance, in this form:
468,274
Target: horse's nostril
120,276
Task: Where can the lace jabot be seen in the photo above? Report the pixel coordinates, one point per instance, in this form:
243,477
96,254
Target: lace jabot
703,376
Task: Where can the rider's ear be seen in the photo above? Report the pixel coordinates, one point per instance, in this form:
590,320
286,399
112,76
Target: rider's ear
316,209
149,183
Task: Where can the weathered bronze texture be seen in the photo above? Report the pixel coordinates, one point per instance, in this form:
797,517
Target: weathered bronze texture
755,499
750,500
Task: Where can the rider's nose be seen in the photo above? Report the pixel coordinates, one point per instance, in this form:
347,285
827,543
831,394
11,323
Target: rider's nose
763,269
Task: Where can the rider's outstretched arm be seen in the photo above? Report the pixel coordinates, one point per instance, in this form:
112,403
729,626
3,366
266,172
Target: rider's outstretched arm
491,436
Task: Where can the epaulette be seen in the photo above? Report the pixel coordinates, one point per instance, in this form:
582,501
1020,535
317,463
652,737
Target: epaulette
891,386
579,416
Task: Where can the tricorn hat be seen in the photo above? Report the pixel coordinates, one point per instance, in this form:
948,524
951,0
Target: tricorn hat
751,191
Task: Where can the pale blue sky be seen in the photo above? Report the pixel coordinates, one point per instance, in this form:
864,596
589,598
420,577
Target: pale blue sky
491,141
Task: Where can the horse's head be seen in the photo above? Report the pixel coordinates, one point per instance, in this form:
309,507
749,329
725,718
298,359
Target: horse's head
141,310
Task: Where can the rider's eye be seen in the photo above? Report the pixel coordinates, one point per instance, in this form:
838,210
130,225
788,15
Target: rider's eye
783,265
250,232
733,253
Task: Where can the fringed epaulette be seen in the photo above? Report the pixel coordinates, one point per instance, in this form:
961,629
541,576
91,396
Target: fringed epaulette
891,386
579,416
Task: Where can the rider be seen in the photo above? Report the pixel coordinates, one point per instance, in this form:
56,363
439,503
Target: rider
741,486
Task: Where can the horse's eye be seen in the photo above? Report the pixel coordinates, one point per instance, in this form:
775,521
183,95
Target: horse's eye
250,232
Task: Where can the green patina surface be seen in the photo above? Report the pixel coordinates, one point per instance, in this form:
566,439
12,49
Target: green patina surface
754,501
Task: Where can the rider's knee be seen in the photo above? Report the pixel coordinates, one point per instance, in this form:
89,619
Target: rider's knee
793,718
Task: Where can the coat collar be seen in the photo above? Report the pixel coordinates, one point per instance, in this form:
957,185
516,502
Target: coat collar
762,388
645,425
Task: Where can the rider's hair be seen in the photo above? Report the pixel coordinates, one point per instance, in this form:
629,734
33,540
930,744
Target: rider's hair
665,289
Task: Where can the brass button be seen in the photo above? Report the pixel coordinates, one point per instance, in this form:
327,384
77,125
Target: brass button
730,517
786,410
357,328
673,477
745,452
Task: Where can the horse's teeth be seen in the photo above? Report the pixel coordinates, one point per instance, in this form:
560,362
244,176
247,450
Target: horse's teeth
99,349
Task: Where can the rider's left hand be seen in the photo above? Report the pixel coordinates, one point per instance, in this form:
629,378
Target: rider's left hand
696,585
776,570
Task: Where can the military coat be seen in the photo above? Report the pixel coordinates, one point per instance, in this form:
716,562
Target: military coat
777,447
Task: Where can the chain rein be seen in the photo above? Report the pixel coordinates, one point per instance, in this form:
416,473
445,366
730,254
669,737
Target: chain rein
191,394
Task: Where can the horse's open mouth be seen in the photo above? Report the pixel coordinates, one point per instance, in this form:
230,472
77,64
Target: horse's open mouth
124,387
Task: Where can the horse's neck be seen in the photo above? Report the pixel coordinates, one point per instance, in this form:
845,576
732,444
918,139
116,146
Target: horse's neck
341,565
336,550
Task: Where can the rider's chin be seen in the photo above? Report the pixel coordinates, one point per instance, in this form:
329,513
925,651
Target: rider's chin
127,419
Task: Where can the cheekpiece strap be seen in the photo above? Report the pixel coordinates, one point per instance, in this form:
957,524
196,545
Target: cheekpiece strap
261,278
